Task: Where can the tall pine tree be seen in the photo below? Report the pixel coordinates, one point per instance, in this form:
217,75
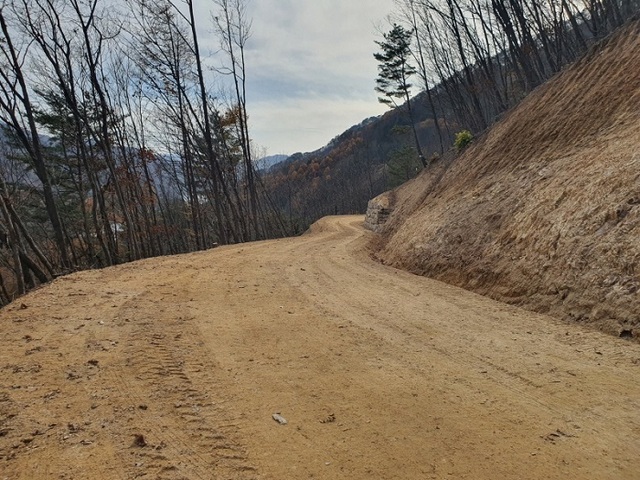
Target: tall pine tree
394,73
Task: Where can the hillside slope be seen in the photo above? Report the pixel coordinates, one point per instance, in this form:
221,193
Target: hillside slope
543,211
341,177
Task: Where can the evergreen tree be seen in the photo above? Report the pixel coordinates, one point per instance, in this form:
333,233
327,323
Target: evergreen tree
402,166
394,73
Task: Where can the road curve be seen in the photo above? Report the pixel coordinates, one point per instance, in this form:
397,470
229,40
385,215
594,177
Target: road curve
172,368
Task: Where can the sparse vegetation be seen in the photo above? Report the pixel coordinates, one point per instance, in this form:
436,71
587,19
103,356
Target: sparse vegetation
463,139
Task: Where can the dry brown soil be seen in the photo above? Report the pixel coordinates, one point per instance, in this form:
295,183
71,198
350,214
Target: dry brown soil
543,211
172,368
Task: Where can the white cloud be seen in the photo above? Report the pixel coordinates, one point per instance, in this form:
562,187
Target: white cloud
306,124
311,71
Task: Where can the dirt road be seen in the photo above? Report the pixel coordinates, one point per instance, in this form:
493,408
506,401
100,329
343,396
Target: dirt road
172,368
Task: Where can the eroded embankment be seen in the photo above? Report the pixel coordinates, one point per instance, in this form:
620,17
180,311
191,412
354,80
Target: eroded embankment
543,211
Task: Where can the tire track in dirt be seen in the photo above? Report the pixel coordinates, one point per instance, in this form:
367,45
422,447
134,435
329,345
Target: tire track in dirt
184,431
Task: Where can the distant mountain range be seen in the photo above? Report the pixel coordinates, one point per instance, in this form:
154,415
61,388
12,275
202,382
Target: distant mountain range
265,163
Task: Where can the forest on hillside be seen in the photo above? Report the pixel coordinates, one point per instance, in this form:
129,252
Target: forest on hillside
472,61
115,147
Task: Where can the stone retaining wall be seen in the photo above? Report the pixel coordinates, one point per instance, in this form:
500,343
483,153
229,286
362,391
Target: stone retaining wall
378,211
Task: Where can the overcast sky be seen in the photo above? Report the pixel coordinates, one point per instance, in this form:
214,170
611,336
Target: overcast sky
311,71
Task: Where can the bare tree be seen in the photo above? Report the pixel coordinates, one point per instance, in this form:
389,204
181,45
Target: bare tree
234,30
16,108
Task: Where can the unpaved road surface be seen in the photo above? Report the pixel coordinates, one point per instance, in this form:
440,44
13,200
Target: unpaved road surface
172,368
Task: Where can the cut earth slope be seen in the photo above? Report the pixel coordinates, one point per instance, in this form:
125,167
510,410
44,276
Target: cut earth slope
543,211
